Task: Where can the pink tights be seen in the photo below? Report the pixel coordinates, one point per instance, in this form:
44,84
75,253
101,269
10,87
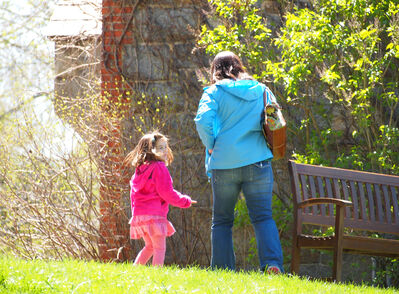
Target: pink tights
155,246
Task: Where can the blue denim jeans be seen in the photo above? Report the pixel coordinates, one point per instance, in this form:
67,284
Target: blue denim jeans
256,182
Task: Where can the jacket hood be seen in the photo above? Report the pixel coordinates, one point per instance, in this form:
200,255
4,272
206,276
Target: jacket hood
245,89
142,174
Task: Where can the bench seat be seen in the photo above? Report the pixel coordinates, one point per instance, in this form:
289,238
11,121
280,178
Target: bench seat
353,244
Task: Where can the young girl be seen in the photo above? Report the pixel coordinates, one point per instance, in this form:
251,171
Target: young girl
151,193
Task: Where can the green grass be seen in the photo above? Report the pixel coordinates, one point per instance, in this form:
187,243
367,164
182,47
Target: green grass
71,276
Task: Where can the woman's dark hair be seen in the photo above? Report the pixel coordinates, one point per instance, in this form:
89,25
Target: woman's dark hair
227,65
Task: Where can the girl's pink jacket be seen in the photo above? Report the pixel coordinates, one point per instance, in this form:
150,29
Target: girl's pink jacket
152,191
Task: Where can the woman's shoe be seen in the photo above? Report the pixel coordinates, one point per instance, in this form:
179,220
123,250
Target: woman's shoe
274,270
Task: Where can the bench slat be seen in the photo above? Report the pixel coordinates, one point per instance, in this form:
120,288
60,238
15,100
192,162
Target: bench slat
387,203
329,195
355,200
378,199
295,184
313,193
371,206
346,197
395,205
321,194
305,194
337,190
363,214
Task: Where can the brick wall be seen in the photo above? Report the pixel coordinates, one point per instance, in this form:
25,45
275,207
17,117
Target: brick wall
114,230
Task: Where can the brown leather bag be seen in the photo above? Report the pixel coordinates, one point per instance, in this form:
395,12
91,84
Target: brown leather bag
274,127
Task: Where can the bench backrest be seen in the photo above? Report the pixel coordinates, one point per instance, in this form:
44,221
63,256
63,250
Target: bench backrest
374,197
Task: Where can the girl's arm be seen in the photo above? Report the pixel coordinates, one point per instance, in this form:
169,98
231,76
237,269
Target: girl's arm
204,120
164,187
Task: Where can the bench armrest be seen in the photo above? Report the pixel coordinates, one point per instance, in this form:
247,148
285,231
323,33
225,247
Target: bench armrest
315,201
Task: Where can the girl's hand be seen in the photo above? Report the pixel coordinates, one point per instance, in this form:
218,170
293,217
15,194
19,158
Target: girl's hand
210,151
193,201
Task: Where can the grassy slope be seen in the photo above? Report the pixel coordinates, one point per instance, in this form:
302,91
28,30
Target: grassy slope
70,276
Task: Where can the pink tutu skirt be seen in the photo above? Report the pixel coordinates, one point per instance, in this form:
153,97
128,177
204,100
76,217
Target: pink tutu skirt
153,225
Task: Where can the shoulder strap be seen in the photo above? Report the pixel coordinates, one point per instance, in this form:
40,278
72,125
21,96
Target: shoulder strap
264,97
272,98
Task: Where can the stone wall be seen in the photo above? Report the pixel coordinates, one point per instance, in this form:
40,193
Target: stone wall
148,60
148,55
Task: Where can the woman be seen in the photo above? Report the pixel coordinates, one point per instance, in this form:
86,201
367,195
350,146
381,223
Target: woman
237,158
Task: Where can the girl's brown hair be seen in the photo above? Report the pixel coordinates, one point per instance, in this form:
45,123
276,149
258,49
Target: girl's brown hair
143,152
227,65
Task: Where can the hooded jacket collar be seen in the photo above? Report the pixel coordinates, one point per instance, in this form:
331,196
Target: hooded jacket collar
245,89
142,174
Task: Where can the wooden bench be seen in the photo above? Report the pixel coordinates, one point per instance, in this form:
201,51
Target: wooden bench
349,201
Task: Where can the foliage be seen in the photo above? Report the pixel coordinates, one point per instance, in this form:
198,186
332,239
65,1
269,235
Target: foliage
48,175
24,54
336,69
246,246
386,272
339,65
239,28
149,112
283,216
48,190
71,276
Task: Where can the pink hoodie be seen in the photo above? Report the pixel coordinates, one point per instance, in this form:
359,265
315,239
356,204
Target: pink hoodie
152,191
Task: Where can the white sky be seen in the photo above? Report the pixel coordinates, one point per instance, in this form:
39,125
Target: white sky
26,66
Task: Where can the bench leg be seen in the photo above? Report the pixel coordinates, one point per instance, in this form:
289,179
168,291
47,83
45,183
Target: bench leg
337,266
295,259
338,247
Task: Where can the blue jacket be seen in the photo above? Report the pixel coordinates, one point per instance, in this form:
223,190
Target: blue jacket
228,122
